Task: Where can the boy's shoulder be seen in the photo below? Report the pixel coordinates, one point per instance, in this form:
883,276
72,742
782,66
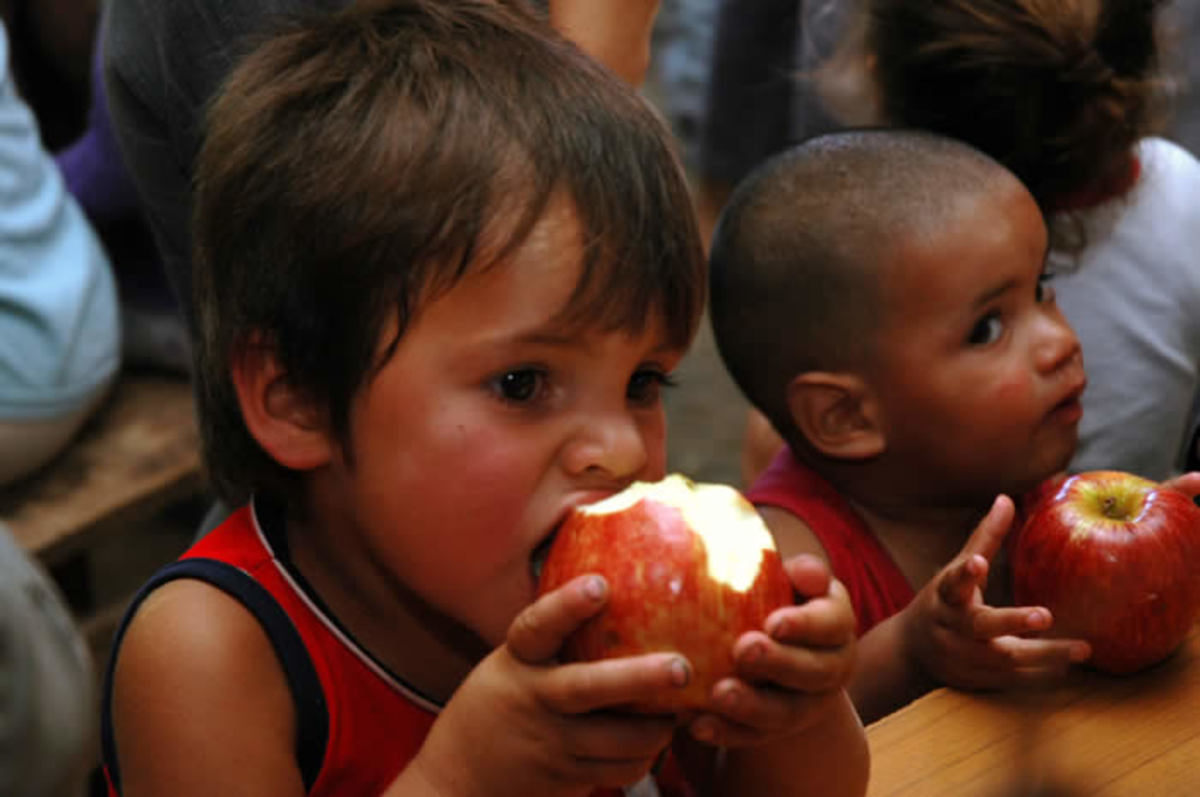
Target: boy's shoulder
807,515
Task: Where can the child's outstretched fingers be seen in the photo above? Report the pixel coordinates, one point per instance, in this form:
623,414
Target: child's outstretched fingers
960,581
989,535
537,633
991,622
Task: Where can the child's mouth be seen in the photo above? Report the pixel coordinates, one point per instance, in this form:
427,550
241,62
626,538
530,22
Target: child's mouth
538,557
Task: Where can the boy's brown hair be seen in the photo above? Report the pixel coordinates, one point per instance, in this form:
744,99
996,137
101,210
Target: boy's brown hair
358,164
799,251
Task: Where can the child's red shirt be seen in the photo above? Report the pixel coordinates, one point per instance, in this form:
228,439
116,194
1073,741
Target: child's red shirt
358,724
877,587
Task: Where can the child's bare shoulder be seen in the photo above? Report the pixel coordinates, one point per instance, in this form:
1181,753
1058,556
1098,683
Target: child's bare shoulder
792,535
197,680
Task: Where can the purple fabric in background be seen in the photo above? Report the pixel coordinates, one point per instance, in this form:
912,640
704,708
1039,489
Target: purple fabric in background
92,166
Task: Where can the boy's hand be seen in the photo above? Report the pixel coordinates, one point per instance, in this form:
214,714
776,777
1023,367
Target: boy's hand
1188,484
522,724
959,640
790,673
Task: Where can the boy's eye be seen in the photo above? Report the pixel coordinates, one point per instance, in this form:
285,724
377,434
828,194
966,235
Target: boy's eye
1045,288
987,330
520,386
645,386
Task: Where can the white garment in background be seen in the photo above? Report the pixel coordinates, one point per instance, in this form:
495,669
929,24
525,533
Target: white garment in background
1133,297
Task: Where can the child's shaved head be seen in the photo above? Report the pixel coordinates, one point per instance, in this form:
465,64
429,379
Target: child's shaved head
798,256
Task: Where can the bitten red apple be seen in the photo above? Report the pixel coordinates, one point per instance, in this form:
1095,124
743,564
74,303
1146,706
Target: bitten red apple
1116,559
690,568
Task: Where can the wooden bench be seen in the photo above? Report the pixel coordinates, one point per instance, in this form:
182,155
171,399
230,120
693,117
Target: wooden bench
139,455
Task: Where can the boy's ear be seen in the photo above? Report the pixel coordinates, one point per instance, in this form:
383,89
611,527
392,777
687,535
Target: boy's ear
837,413
289,425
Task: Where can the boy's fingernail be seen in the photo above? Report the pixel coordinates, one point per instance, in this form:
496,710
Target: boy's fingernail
753,653
595,588
680,674
777,629
728,697
1081,651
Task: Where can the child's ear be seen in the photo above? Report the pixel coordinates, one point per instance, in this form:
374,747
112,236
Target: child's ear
837,413
289,425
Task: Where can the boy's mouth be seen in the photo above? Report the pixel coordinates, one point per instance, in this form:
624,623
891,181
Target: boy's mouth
538,557
1069,410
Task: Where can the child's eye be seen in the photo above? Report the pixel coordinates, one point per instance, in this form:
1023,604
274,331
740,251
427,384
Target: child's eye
645,386
987,330
520,386
1045,288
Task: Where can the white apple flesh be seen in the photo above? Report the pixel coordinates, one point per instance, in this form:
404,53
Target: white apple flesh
690,568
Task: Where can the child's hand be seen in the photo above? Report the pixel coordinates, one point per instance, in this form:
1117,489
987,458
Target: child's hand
1188,484
791,674
522,724
959,640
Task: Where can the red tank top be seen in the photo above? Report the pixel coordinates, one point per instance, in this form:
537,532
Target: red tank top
358,724
877,587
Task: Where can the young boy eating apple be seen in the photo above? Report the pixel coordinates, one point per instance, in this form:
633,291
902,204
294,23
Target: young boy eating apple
445,266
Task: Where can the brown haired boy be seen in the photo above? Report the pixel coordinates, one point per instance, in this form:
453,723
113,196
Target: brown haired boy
445,266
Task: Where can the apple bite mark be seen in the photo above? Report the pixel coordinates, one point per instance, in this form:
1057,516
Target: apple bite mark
690,568
734,536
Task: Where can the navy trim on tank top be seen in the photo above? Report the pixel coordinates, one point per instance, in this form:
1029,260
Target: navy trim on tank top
312,715
269,516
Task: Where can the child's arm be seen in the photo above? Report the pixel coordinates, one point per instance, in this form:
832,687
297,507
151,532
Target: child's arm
786,724
616,32
200,705
522,725
948,635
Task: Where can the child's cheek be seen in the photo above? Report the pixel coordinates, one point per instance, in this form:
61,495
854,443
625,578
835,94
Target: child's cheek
1012,391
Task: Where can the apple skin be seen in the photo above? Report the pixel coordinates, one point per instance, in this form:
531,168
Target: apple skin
1116,559
661,594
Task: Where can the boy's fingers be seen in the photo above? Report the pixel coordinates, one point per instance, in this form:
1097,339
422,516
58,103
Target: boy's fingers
824,622
989,535
1053,655
798,668
615,738
956,586
746,714
537,633
990,622
810,576
1188,484
614,683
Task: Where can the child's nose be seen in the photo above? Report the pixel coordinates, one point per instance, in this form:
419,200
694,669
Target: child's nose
608,446
1055,345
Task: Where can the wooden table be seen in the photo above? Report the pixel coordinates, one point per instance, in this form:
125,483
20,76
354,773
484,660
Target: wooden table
1135,736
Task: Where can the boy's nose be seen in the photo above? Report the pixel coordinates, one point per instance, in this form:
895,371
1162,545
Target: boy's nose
1055,345
611,446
